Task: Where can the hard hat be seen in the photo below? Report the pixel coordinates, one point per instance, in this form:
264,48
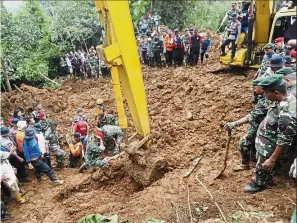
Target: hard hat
4,131
99,101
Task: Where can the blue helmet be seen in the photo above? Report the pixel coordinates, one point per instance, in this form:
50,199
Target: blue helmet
4,131
30,133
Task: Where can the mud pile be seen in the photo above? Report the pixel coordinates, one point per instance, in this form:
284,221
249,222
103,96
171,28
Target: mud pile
187,107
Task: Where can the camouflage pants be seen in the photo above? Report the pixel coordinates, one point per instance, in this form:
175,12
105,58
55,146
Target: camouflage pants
247,146
113,144
263,176
60,155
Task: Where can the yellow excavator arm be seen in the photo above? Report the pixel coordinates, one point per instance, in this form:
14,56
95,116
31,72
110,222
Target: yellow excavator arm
120,52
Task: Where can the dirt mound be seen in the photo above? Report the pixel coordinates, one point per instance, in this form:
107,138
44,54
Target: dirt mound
187,107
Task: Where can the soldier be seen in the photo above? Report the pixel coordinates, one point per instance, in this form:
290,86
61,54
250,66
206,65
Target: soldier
276,134
94,148
76,148
233,36
108,119
179,49
113,136
254,118
38,109
276,63
288,50
279,46
150,52
94,65
52,138
186,41
290,77
44,122
158,50
228,16
288,61
269,52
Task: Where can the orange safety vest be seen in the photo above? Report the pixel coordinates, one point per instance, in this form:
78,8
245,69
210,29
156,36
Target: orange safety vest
19,140
169,43
75,149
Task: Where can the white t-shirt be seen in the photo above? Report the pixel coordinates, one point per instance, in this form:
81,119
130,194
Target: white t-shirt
41,142
7,171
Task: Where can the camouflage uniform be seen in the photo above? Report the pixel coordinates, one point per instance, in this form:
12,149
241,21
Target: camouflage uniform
108,120
268,72
280,52
45,124
53,141
94,65
292,90
113,136
247,142
93,150
278,128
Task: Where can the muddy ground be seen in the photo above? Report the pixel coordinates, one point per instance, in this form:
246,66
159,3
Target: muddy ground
173,94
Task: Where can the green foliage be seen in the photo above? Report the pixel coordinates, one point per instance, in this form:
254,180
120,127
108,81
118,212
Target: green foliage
209,14
139,8
174,13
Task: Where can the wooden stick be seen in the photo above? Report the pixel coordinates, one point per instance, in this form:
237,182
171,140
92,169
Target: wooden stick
192,168
176,211
204,187
221,212
49,79
291,200
240,206
189,205
18,88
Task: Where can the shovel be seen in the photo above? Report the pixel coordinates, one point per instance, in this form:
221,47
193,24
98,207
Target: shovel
226,155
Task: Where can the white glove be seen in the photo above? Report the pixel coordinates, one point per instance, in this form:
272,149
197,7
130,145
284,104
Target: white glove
292,172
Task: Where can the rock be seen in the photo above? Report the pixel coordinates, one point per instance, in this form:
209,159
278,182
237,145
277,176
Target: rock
205,209
189,115
198,211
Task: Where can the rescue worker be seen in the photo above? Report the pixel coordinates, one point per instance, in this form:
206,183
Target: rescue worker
100,110
33,157
52,138
150,52
14,159
43,145
205,48
37,110
95,146
279,46
18,114
113,136
276,133
169,44
108,119
76,148
143,45
234,29
290,77
254,118
30,121
195,45
94,65
179,49
276,63
79,115
158,50
228,15
44,122
9,178
244,20
19,137
269,52
186,41
82,128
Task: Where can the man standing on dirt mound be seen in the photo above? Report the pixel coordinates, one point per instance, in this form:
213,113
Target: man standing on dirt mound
276,136
52,138
195,45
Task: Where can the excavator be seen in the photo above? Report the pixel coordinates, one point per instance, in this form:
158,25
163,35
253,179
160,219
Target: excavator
264,27
119,51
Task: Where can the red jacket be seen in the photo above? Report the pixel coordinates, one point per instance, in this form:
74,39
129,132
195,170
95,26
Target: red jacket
81,127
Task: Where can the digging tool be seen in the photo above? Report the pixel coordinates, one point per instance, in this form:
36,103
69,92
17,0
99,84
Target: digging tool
226,155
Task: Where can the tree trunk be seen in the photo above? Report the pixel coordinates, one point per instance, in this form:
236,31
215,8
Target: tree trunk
5,75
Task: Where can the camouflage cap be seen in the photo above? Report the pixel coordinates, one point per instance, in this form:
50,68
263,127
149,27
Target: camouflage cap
272,82
269,46
277,61
285,71
257,81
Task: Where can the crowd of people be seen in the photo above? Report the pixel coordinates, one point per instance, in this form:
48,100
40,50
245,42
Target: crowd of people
31,141
83,64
